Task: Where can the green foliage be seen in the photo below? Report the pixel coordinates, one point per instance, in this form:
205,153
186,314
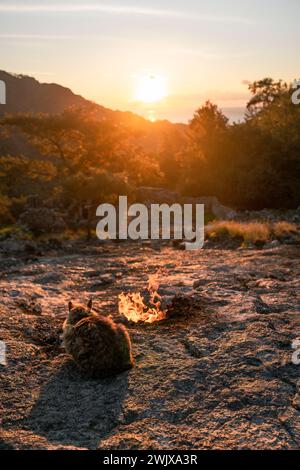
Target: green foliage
250,165
19,175
5,213
85,159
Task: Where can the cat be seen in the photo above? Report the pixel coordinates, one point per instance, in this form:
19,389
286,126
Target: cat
99,346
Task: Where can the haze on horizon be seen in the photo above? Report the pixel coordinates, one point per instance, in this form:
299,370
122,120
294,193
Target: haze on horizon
158,58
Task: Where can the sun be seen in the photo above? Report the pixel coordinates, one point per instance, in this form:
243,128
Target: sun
151,89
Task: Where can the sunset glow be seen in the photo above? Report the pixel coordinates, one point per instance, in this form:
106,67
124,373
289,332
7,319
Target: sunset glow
163,56
151,89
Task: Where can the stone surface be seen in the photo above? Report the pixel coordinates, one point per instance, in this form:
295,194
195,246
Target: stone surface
219,376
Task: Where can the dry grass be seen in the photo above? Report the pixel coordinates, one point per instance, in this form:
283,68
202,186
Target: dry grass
283,228
249,232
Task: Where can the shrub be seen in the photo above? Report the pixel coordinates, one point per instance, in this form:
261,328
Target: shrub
250,232
283,229
6,216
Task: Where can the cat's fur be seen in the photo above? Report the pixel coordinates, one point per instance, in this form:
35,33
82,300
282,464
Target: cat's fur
98,345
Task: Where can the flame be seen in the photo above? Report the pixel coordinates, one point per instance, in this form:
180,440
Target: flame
133,306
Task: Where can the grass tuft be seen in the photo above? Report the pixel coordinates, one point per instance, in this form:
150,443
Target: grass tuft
250,232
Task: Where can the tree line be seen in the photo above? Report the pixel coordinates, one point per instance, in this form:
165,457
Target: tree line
83,159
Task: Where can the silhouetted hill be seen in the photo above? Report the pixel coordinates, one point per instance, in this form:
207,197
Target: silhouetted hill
25,94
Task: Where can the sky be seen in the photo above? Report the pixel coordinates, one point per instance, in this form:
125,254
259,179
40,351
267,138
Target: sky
160,58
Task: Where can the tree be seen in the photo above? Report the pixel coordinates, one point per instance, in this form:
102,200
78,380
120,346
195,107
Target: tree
264,92
249,165
203,155
77,152
20,175
72,139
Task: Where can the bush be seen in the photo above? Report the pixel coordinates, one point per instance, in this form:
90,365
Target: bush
250,232
6,216
42,220
283,229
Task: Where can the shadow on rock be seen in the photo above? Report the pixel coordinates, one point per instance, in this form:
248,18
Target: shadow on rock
71,410
5,445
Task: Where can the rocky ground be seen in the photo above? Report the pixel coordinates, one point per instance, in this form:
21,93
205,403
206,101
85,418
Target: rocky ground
217,375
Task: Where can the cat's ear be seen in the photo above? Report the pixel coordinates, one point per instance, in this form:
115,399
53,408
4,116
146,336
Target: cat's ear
70,305
90,304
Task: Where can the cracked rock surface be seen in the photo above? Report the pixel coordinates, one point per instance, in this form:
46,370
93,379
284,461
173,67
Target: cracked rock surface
219,377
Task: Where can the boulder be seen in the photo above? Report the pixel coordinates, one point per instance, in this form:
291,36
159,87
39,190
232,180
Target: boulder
212,205
42,220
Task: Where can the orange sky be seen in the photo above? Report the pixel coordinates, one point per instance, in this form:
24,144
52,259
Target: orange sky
200,50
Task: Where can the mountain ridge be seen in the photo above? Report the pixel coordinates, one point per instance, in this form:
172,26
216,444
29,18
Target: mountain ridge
25,94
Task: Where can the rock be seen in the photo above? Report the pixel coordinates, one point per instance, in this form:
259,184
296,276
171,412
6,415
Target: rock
31,247
15,293
212,206
149,195
217,374
29,306
272,244
49,278
261,306
54,244
199,283
181,305
197,348
292,239
13,246
104,280
179,244
259,244
42,220
94,273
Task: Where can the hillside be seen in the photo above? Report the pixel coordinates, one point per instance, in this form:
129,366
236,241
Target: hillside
27,95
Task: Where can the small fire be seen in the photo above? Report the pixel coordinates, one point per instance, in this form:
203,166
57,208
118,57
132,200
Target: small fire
133,306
